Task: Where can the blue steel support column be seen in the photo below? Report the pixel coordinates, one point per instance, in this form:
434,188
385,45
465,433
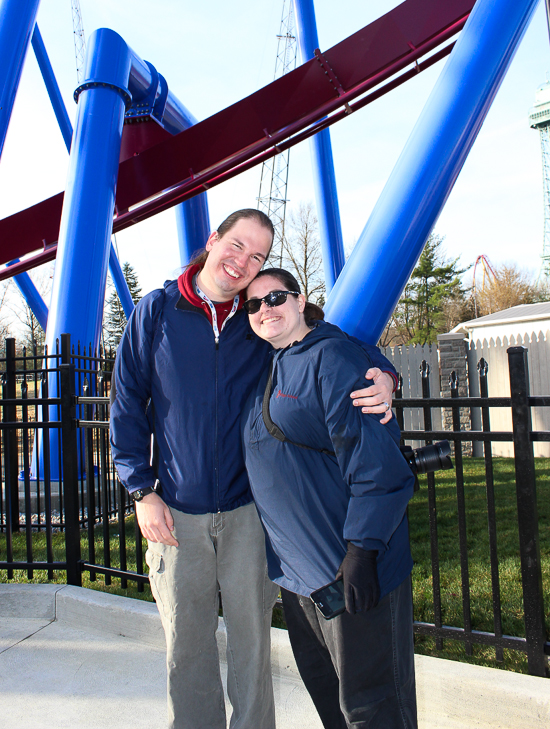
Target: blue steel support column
326,194
17,18
87,218
52,87
192,216
193,224
378,269
120,283
23,281
32,296
67,133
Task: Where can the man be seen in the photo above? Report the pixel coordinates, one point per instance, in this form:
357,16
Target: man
189,353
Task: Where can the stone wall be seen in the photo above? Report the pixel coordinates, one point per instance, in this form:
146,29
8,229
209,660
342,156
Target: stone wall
453,357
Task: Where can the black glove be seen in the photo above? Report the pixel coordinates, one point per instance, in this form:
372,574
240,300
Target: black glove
358,570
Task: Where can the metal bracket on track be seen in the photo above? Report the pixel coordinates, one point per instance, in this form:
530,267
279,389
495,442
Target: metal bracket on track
333,78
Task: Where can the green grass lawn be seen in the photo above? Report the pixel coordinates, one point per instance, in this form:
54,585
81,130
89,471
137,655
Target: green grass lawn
478,554
451,586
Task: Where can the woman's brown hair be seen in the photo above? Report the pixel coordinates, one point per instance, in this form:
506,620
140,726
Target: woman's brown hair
312,312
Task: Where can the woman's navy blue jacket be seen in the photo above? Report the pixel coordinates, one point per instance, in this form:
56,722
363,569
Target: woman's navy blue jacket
198,389
311,503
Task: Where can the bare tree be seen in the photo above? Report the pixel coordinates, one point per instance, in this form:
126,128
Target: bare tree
30,332
5,315
302,252
512,286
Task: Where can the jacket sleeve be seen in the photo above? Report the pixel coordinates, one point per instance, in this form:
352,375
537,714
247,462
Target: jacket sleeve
129,423
380,480
378,360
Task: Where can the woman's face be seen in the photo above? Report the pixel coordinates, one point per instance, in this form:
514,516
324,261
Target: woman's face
279,325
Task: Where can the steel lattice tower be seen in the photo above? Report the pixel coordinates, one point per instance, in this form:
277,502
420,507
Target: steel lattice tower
539,118
274,178
79,40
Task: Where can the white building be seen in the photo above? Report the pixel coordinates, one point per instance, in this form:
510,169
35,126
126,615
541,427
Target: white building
489,337
517,322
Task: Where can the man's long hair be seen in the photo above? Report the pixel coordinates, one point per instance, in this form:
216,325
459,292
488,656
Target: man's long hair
199,258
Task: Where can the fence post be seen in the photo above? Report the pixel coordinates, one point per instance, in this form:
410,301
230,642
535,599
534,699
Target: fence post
528,522
11,459
70,473
432,506
454,384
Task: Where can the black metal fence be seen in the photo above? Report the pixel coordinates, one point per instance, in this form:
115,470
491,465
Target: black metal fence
58,478
534,644
63,398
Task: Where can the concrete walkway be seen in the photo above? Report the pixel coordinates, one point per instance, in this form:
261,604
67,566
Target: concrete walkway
71,657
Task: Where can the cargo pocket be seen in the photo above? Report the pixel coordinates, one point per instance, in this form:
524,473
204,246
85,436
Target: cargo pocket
157,580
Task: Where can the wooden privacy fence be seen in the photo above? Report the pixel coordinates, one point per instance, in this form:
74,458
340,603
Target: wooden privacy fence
498,381
454,353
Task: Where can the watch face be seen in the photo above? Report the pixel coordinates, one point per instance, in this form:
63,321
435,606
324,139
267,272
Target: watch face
137,495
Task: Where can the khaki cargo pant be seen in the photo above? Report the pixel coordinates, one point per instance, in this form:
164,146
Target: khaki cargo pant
217,552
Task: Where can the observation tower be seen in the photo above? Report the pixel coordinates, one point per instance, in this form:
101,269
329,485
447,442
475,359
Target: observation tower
539,118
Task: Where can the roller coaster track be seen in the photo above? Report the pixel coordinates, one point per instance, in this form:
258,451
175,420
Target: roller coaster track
322,91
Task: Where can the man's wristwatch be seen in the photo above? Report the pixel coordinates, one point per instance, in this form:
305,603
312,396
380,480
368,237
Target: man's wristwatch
140,493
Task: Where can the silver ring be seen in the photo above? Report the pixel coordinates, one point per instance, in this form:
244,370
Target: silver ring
387,406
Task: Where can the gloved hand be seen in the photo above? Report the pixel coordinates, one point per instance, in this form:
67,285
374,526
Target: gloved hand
358,570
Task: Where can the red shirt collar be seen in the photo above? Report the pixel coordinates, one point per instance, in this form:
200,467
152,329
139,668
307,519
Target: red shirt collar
186,289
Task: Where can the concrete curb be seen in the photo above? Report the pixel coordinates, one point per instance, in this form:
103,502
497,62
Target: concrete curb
450,694
28,601
100,612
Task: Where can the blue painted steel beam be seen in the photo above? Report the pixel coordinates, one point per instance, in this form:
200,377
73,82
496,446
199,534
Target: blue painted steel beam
87,218
52,87
16,23
32,296
193,223
192,217
326,196
376,273
84,243
120,283
67,132
17,19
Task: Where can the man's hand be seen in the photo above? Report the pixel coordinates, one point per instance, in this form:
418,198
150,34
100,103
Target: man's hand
378,397
155,520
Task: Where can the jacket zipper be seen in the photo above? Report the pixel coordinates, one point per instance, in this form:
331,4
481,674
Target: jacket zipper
216,454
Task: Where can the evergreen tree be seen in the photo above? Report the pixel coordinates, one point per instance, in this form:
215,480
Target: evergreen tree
114,320
433,298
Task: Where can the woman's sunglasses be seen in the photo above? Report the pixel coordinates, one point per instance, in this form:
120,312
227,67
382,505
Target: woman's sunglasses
274,298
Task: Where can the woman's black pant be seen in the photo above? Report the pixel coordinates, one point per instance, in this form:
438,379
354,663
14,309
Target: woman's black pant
358,669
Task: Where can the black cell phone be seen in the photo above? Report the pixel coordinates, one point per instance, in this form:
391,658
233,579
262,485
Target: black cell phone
330,599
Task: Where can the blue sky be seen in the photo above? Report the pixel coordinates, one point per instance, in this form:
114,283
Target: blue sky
214,53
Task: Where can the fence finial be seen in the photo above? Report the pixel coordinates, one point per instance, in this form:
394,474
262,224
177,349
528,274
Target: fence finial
483,367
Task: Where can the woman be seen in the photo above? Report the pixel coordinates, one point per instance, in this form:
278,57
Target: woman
332,499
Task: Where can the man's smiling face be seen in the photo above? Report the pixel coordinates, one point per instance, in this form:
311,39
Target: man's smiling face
234,259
